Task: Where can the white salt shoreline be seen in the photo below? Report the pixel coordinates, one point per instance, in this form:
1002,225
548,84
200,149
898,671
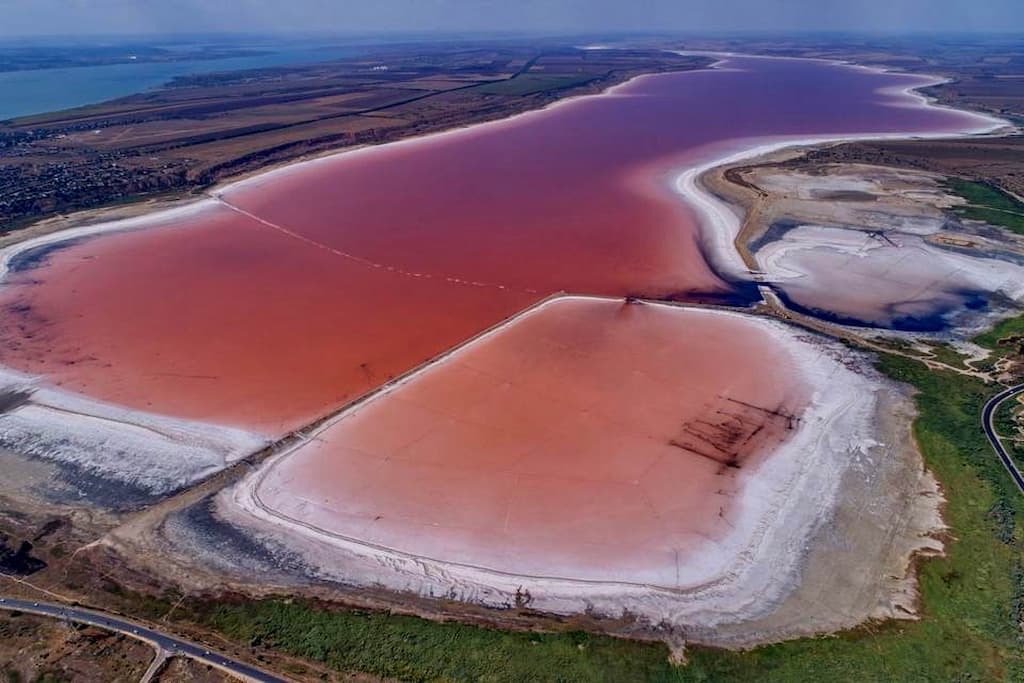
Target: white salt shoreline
720,222
151,452
149,220
738,578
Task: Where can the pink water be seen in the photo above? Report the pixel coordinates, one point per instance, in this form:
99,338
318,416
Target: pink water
588,439
268,323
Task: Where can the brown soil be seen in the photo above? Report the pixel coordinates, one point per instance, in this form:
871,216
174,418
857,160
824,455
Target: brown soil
38,648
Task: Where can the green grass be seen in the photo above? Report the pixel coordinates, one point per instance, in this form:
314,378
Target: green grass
412,649
1008,429
983,194
529,84
1011,221
944,353
998,337
1005,418
988,203
973,599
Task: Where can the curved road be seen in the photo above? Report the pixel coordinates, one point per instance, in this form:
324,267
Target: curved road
988,423
164,643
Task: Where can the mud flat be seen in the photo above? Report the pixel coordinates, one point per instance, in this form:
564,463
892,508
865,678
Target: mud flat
876,247
663,481
902,282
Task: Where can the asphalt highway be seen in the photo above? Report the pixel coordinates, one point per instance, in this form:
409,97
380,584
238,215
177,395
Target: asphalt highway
988,423
170,644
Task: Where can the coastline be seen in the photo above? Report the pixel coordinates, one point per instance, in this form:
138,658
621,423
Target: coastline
149,453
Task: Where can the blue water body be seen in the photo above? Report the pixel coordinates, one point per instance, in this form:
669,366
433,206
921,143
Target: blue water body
34,92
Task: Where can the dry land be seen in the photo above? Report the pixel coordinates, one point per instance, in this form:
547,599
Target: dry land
37,649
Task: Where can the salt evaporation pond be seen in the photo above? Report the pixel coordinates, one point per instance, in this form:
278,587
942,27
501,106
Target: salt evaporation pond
319,282
589,438
671,463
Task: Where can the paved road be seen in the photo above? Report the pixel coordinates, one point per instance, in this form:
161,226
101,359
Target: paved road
172,645
987,421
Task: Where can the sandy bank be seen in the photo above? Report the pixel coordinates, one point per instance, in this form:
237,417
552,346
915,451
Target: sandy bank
876,248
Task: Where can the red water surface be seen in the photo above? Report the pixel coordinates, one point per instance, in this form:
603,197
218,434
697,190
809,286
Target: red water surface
264,320
233,323
578,198
588,439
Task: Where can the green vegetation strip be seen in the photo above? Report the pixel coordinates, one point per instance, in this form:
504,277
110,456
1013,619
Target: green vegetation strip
988,203
973,598
944,353
530,84
412,649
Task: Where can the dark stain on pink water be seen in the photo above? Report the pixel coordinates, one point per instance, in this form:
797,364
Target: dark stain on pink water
267,323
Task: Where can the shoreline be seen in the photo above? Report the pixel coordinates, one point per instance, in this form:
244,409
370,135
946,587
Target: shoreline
721,219
154,453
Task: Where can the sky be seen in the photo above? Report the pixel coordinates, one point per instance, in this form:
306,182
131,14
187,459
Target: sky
98,17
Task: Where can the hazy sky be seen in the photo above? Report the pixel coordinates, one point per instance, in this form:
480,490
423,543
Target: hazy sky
35,17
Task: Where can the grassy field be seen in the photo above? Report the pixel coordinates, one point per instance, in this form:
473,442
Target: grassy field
988,203
944,353
529,84
973,598
1005,337
411,649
